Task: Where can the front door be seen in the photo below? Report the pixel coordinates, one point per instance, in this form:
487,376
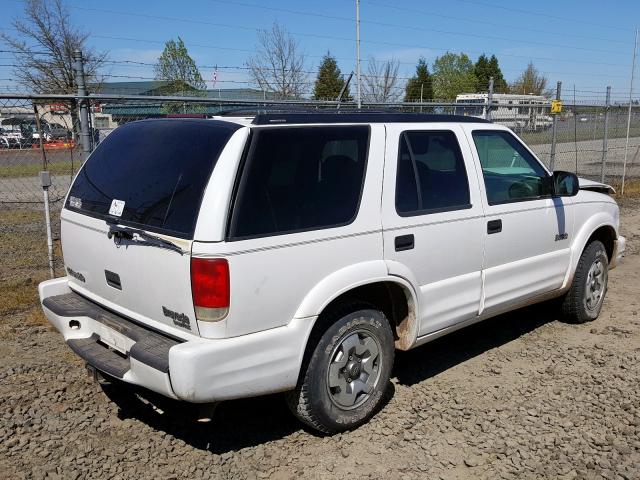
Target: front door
528,231
433,222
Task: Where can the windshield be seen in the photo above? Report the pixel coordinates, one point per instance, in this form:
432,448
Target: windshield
151,174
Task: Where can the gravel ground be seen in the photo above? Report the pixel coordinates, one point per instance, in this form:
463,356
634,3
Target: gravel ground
519,396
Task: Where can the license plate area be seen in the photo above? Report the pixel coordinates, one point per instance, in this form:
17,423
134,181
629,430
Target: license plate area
114,340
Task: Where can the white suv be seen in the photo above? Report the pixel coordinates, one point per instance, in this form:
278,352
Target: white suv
216,259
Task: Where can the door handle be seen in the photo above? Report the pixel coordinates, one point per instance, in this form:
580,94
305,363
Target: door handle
404,242
494,226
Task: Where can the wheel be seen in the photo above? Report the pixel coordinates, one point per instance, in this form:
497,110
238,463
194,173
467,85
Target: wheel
584,300
347,372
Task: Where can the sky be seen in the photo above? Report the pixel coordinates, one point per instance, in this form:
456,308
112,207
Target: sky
583,43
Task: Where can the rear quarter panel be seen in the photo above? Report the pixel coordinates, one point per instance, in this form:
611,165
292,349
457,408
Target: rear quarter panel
271,276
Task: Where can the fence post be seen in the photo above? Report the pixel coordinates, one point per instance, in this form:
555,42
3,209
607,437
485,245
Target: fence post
605,137
554,134
45,181
84,106
487,114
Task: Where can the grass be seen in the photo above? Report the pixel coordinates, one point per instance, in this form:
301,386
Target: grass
18,295
631,189
33,169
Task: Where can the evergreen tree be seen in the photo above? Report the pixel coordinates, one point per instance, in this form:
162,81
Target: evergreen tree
484,69
420,85
329,82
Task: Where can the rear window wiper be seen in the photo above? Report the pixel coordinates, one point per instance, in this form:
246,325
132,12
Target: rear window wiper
140,237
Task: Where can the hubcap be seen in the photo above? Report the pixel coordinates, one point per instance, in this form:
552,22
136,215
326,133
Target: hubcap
596,284
354,369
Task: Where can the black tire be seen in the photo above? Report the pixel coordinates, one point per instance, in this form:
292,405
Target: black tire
314,401
578,305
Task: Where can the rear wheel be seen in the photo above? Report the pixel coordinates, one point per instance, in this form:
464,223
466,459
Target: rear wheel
347,372
584,300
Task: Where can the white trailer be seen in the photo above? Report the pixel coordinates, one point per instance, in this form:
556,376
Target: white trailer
519,112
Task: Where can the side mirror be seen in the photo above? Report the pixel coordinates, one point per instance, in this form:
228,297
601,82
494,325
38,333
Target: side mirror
565,184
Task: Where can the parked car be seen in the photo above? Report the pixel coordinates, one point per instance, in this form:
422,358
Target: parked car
58,132
210,260
16,133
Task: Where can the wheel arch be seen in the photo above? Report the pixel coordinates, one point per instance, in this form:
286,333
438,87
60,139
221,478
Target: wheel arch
369,283
599,227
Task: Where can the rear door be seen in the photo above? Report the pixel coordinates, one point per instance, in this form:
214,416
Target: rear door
433,220
148,175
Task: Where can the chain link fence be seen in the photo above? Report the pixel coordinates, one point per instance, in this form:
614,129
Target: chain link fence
40,133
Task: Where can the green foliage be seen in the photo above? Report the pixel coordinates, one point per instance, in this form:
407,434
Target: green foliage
177,67
486,68
420,85
453,74
329,82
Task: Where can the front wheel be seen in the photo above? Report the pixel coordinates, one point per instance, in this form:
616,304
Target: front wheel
347,372
584,300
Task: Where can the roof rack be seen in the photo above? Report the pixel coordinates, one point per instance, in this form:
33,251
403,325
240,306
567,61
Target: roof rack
272,118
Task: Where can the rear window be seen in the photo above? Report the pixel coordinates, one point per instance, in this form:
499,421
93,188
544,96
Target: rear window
300,178
157,168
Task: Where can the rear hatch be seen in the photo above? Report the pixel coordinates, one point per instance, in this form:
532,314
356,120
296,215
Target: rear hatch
130,211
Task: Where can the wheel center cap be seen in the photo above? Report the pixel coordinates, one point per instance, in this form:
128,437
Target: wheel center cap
353,369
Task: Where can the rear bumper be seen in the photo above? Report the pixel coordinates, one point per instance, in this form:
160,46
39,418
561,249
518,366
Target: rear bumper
200,370
619,247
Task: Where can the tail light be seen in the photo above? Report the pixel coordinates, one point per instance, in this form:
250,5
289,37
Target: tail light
210,288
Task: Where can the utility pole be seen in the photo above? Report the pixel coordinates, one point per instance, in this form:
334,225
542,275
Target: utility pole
359,89
489,99
554,134
626,145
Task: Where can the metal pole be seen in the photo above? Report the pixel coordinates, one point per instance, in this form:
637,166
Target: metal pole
41,142
554,133
45,181
487,114
605,137
421,95
84,107
359,89
626,145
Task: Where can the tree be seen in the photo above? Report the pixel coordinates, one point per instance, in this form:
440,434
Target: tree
380,80
420,86
484,69
44,48
176,66
329,82
531,82
452,75
278,65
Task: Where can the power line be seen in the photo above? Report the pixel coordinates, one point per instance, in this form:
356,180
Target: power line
330,37
430,14
485,22
529,12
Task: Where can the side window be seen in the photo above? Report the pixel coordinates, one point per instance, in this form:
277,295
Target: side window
431,174
300,178
510,172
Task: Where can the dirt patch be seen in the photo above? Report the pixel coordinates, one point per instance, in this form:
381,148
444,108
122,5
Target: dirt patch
519,396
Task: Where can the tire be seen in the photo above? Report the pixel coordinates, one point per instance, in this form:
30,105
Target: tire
584,300
357,343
